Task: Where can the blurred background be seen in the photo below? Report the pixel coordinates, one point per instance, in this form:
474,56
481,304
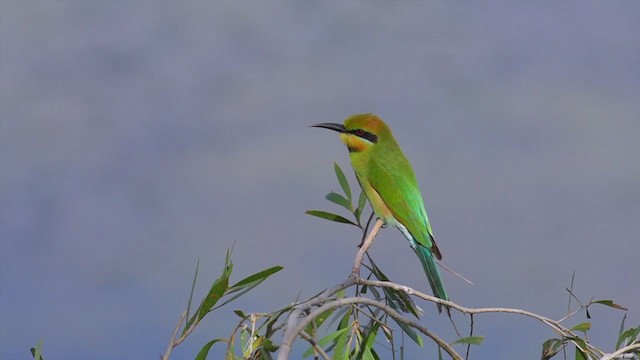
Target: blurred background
138,137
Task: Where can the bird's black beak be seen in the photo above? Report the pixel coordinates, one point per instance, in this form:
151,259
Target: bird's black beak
331,126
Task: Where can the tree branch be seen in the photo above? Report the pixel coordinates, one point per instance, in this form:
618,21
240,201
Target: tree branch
290,336
365,246
172,342
313,343
323,297
620,352
556,326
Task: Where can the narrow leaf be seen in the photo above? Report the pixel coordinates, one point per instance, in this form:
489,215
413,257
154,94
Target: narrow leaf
367,343
551,347
342,180
322,317
269,346
202,354
410,332
36,351
341,346
583,327
319,321
240,313
325,340
629,336
339,199
337,316
193,286
362,200
397,299
473,340
609,303
580,344
217,290
330,216
580,355
261,275
620,332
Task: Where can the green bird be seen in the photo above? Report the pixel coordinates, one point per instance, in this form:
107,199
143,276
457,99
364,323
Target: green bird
387,179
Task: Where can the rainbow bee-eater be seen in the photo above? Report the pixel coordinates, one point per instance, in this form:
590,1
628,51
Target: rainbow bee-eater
387,179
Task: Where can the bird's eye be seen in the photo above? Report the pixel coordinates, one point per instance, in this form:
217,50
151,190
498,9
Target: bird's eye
359,132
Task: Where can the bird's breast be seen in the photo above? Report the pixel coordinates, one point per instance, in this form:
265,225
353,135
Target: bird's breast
380,208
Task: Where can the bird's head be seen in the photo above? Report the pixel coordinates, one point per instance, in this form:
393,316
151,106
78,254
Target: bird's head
360,132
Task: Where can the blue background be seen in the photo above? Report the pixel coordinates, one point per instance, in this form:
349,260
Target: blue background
137,137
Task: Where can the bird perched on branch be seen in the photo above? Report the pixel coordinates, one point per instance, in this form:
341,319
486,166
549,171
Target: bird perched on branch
387,179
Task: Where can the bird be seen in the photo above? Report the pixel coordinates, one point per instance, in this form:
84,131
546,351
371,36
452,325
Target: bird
389,183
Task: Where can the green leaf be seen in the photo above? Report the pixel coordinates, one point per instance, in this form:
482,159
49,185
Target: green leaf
374,354
551,347
240,313
193,287
244,342
251,279
330,216
362,200
583,327
337,316
341,348
202,354
218,288
410,332
629,336
269,346
366,344
245,285
339,199
325,340
397,299
271,320
216,292
317,322
580,344
36,351
609,303
473,340
620,332
342,180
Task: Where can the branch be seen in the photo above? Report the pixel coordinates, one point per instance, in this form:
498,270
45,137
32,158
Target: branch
313,343
622,351
290,336
172,342
323,297
555,325
365,246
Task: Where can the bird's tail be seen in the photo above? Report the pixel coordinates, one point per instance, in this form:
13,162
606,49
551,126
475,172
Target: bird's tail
433,274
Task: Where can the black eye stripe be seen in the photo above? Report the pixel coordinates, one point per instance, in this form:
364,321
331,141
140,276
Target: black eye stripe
365,135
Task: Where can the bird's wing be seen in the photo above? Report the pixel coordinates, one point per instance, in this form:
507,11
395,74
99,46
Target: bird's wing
399,191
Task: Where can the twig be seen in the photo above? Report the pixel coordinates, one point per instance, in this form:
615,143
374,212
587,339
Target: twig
232,337
470,335
621,351
564,348
172,342
315,346
365,246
